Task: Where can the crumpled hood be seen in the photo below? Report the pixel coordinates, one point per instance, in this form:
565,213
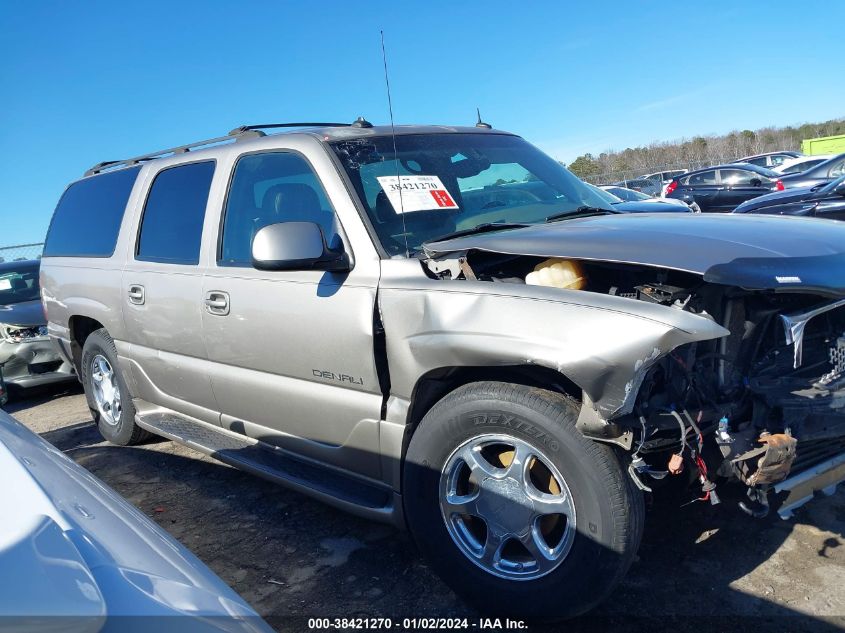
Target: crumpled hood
25,314
681,241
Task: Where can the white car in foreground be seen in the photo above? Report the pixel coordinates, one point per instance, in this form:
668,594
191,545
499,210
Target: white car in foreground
76,557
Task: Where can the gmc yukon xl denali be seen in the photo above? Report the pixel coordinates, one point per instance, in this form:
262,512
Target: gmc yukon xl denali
443,328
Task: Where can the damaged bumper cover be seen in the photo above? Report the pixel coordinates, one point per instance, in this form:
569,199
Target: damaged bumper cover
32,362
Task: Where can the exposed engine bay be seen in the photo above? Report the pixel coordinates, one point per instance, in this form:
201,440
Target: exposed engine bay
764,405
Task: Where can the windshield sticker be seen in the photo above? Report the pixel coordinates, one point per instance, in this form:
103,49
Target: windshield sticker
5,284
418,193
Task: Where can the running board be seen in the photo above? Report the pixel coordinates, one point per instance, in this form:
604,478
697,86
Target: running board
795,491
326,483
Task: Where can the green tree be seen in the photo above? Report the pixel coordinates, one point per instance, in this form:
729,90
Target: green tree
585,166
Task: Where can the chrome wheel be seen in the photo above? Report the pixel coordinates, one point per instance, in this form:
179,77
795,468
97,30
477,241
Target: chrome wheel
106,390
507,507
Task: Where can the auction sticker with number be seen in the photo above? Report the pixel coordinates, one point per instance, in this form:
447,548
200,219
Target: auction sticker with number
416,193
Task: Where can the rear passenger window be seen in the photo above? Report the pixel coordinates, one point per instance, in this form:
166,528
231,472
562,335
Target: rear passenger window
704,178
171,228
87,219
268,188
735,177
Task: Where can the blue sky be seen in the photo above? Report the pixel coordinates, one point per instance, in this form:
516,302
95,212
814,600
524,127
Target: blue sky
83,82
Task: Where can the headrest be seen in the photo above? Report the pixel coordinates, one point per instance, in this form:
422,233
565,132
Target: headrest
290,199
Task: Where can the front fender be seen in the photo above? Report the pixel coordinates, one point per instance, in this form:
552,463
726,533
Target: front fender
603,344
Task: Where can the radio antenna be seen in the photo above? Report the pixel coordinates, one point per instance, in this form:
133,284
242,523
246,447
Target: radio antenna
395,152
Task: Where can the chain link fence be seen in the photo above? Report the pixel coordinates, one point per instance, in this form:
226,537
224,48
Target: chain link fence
20,252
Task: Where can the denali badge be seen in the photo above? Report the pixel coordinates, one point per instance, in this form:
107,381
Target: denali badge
339,377
788,280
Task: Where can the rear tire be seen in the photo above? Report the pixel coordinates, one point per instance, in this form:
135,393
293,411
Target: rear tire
493,422
106,391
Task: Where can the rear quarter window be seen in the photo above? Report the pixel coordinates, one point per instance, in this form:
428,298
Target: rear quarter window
87,219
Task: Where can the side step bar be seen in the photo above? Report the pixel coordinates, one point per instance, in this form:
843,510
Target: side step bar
795,491
335,487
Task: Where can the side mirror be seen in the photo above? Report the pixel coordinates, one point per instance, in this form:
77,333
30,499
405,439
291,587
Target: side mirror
840,189
296,246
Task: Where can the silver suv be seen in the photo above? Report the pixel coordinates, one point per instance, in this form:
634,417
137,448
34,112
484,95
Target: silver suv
443,328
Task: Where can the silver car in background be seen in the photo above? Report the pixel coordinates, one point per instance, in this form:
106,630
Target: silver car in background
28,358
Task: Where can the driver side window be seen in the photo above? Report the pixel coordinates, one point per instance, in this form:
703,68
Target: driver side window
268,188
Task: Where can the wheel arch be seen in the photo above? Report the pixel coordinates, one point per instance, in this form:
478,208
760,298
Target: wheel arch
80,328
437,383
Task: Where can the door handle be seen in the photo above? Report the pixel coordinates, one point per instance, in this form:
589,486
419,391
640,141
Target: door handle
136,294
217,302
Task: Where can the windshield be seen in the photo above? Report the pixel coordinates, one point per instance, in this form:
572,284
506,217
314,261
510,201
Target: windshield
19,283
456,182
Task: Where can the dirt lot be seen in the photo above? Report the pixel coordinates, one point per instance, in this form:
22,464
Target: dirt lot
699,567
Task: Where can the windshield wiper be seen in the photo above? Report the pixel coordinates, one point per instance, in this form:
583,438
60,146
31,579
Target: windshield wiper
580,212
485,227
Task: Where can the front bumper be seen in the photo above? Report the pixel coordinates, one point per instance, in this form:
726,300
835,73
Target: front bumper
33,363
798,489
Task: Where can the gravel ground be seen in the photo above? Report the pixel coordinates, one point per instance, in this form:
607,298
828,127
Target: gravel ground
699,567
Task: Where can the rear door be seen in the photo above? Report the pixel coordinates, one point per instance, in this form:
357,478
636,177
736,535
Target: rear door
739,185
700,188
292,352
162,286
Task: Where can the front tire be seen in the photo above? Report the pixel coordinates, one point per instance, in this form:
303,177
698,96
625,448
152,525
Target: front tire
106,391
515,509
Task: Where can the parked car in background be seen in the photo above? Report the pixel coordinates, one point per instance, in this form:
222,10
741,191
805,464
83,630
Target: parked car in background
636,202
722,188
821,201
76,556
821,174
665,177
801,164
28,358
770,159
651,187
623,193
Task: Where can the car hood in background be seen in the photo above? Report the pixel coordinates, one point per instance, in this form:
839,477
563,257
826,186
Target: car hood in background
76,555
651,206
25,314
689,242
778,197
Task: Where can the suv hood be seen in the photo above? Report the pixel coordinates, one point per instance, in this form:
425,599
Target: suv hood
773,252
24,314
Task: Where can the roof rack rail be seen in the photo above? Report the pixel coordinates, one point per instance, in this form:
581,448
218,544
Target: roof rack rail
181,149
244,131
253,128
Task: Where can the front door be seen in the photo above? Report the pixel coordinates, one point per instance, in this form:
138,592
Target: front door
739,185
291,351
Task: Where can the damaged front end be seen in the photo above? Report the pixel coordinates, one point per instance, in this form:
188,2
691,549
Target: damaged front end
29,358
756,395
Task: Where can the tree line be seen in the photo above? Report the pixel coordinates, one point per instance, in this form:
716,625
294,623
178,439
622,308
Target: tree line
698,151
